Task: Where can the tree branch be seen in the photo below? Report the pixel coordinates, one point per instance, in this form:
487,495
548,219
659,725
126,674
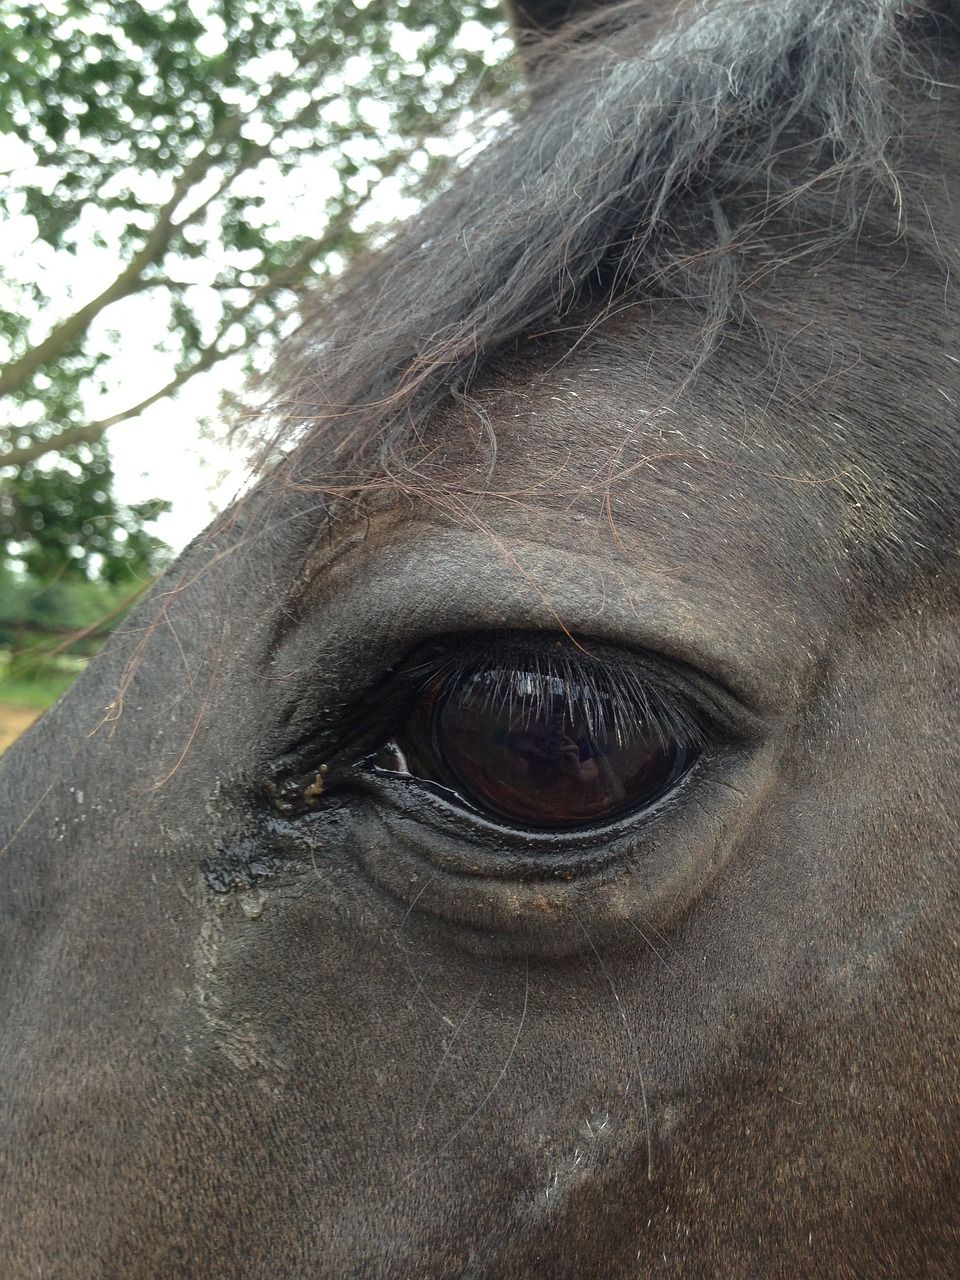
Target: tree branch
130,280
284,278
90,432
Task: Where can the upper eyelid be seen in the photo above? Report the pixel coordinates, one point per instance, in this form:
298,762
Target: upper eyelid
454,579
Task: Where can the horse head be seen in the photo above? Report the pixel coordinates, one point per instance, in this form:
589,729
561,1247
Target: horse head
519,838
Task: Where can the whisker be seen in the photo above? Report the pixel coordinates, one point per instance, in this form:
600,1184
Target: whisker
634,925
406,914
633,1046
493,1088
418,978
450,1043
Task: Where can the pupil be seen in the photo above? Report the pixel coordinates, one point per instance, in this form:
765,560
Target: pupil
547,751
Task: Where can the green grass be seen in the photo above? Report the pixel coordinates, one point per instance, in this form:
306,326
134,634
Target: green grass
37,690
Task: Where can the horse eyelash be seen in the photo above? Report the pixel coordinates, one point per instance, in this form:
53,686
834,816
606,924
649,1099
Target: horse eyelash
608,696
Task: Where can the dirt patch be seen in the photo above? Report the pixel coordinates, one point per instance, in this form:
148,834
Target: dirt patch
13,721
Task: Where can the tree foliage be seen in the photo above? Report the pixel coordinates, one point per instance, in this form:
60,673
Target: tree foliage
205,159
66,523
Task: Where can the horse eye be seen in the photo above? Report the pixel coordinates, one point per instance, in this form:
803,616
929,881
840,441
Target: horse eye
544,745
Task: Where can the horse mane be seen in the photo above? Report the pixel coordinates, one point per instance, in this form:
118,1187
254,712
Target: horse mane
652,161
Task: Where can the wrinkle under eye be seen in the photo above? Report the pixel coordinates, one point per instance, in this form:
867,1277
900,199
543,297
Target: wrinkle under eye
554,740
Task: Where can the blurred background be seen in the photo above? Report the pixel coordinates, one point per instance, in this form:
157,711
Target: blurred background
173,178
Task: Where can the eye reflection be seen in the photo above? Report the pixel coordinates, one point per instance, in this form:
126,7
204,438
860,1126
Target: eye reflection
551,741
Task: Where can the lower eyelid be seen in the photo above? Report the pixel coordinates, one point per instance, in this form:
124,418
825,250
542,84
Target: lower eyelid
503,890
432,821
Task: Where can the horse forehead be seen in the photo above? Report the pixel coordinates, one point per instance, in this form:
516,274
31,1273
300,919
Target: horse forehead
592,439
836,429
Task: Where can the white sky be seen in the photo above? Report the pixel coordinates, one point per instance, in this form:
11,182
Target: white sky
161,454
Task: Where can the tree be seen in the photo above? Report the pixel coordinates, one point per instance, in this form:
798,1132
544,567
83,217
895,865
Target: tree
177,142
66,522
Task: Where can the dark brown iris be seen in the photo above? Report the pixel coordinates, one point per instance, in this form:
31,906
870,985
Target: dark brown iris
541,748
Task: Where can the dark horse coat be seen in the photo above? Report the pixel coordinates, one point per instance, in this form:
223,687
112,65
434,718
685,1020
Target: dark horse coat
519,840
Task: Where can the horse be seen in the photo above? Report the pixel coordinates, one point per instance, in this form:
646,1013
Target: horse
519,838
